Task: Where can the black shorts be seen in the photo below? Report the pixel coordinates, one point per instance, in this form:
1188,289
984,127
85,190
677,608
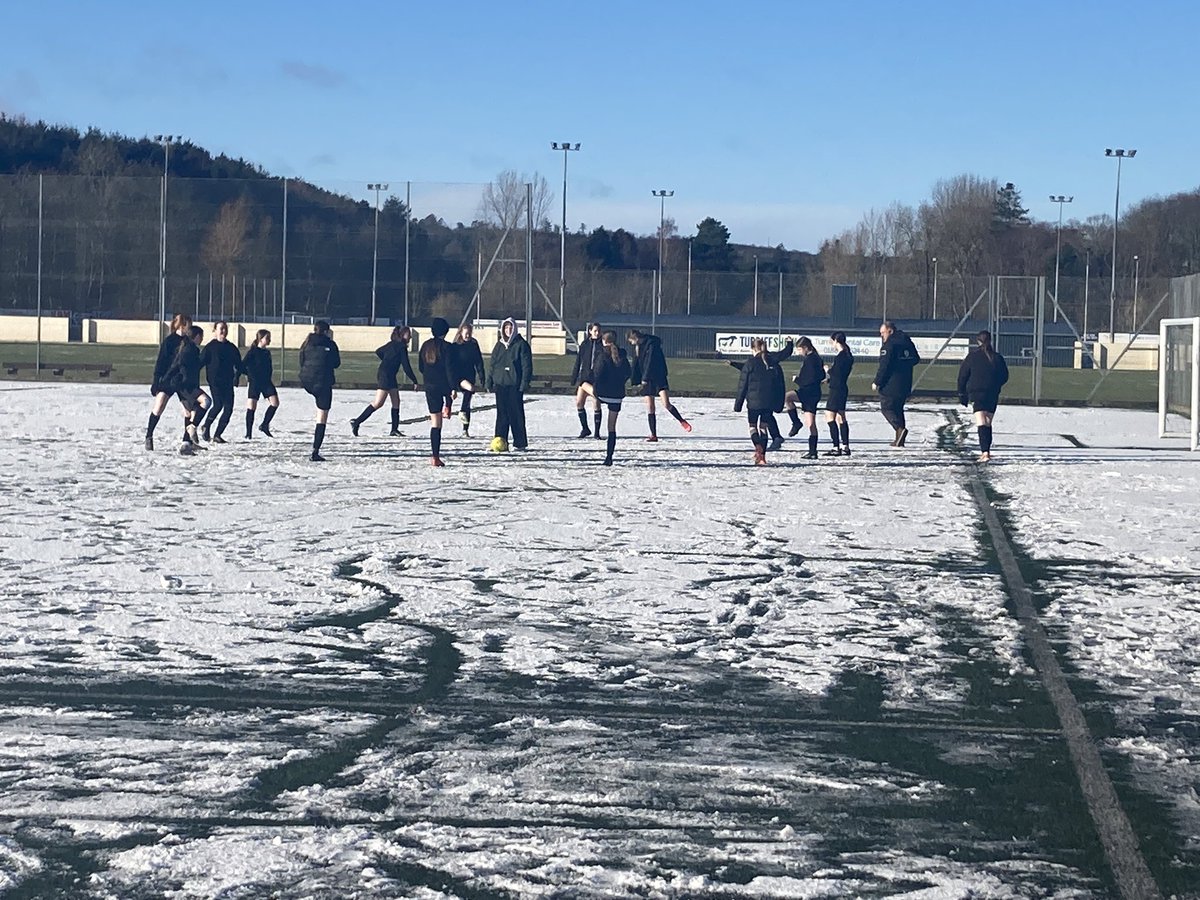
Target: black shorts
836,402
754,416
323,396
436,401
985,403
652,389
267,389
190,398
613,403
809,399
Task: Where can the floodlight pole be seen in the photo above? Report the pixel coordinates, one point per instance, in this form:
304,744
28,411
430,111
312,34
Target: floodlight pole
656,301
165,140
1135,289
565,147
1060,200
934,287
1112,290
376,187
756,285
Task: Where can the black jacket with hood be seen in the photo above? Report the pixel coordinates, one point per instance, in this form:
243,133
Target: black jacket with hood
649,362
223,362
466,363
258,366
393,357
981,376
512,362
608,378
319,356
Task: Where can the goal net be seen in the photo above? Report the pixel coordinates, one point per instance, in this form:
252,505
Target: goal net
1179,378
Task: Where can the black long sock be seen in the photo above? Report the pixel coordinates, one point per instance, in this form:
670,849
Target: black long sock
756,439
395,418
435,441
653,420
673,411
582,418
833,434
465,409
794,416
985,438
844,428
773,428
249,422
318,437
151,425
612,445
597,420
270,415
367,412
812,441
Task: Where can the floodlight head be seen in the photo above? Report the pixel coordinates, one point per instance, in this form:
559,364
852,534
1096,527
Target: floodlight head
1132,154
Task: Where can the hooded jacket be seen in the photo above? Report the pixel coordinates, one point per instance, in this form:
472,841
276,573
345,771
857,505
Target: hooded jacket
649,363
319,356
166,356
608,378
897,359
512,362
839,372
184,373
812,373
778,389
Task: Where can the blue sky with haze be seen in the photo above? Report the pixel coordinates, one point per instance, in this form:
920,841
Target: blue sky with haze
786,121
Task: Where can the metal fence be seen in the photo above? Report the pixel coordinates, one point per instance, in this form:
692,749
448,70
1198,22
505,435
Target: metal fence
122,246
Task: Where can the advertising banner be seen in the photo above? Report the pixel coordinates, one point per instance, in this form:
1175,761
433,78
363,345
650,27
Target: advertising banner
738,344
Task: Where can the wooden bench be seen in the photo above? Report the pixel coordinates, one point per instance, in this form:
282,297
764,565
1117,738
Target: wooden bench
102,369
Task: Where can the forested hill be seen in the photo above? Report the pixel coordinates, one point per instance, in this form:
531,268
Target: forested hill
38,148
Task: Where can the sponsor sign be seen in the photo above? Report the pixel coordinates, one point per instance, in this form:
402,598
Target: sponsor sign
738,344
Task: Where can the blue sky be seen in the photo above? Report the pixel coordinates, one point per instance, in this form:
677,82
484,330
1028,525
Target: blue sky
785,120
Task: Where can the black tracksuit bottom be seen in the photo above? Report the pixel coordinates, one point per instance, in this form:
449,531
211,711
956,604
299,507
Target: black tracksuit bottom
510,415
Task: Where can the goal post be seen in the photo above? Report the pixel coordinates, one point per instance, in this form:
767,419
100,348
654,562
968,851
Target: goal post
1179,376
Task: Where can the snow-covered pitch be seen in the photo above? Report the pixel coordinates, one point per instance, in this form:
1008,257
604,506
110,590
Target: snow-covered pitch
242,674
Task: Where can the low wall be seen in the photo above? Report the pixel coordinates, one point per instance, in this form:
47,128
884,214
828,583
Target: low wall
1142,356
350,338
24,329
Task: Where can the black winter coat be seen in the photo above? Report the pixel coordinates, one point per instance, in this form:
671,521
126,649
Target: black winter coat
436,375
897,359
223,362
649,362
757,388
774,363
608,378
512,366
319,356
184,373
257,365
586,359
466,363
981,376
393,357
166,356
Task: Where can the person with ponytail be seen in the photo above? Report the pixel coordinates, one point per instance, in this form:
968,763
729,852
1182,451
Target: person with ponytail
434,361
319,356
807,394
605,384
838,373
393,356
183,379
779,389
259,368
180,332
980,377
650,373
590,353
466,365
757,390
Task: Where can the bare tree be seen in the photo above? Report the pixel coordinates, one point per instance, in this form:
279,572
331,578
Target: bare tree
503,201
225,244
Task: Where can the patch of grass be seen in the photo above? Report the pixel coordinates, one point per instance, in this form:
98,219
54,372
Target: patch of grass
132,364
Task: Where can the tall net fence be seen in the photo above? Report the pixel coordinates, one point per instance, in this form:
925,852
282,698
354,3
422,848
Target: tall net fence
406,251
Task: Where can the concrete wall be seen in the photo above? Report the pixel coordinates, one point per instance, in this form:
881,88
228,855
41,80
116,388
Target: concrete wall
24,329
548,338
1142,356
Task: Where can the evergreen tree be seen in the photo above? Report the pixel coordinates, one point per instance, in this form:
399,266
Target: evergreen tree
710,247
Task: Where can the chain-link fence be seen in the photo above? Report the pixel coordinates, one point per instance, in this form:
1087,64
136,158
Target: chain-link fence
111,246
